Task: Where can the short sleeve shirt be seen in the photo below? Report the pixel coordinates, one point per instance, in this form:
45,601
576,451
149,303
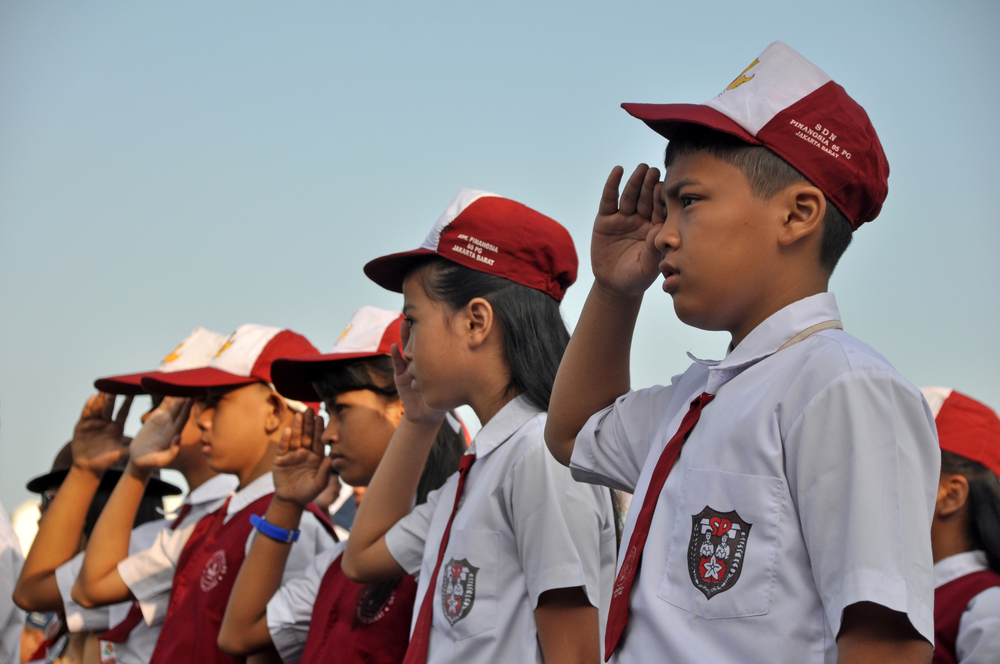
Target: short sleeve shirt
978,640
808,485
523,527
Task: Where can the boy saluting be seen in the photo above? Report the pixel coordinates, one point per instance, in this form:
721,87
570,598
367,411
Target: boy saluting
783,495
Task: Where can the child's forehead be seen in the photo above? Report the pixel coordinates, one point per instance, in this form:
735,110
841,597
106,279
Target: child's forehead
699,167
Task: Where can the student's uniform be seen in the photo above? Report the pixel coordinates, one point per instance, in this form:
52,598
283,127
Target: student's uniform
314,618
137,647
817,462
207,575
966,610
523,527
11,617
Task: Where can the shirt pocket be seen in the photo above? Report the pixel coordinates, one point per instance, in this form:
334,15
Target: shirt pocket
722,553
466,602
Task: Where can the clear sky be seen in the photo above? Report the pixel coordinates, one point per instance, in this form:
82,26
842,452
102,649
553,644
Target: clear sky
169,165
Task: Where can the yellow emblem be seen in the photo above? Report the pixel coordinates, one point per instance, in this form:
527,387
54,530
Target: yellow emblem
741,79
174,354
344,333
229,342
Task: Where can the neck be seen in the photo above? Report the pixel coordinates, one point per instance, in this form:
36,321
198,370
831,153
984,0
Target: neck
489,404
261,468
948,538
781,298
198,475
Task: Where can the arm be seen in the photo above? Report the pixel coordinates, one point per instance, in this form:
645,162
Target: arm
562,617
96,446
390,493
595,368
301,472
873,634
156,445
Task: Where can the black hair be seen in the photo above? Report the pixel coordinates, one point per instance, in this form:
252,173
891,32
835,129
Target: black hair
767,174
150,509
376,374
533,331
983,502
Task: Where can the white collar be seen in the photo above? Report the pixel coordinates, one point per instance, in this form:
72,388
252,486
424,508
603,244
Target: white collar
957,566
212,490
260,487
504,424
767,338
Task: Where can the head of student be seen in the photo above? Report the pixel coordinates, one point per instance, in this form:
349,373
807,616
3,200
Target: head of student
481,303
355,382
967,510
242,417
763,188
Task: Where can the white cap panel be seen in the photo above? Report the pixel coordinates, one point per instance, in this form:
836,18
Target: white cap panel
195,352
240,352
365,331
462,200
936,396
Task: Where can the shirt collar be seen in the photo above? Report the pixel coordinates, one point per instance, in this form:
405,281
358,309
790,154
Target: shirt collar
260,487
504,424
768,337
212,490
957,566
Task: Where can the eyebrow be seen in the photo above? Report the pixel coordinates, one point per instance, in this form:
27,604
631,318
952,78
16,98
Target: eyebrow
675,188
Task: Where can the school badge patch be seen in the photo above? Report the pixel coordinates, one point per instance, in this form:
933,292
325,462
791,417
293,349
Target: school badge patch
458,589
716,550
214,570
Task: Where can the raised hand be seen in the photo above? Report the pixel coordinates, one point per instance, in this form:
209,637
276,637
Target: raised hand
622,253
415,409
159,440
97,437
301,470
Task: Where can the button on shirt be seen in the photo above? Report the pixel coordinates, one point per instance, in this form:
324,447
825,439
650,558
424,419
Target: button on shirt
808,485
978,639
523,527
150,573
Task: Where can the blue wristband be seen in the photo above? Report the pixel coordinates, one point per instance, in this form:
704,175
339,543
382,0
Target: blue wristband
274,532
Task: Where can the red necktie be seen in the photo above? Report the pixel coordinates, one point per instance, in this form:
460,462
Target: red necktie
416,652
120,632
618,613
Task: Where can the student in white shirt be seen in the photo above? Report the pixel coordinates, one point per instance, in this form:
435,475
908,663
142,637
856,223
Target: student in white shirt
803,447
521,576
965,533
11,617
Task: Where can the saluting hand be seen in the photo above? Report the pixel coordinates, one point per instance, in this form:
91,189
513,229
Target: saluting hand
159,440
301,470
415,409
97,438
622,253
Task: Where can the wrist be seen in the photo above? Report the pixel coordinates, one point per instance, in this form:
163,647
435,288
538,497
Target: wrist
85,473
284,513
273,531
133,470
611,298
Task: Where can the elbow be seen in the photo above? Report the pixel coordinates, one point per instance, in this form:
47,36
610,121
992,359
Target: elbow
81,597
230,642
353,571
559,446
23,597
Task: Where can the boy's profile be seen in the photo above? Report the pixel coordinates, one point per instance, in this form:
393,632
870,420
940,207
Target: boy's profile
782,495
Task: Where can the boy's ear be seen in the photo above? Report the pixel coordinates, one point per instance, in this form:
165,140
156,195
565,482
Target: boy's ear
953,494
278,413
804,208
479,321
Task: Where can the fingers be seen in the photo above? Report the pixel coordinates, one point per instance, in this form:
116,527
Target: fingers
308,426
107,406
398,363
629,200
609,197
123,411
93,405
295,439
318,446
659,206
286,437
645,205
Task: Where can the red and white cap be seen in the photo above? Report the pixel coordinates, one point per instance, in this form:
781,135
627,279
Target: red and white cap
370,333
965,426
491,234
785,103
245,358
193,353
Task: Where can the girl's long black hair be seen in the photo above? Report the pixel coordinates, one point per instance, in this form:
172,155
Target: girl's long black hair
376,374
984,504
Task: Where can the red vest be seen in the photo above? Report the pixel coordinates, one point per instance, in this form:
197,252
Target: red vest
950,601
203,581
336,631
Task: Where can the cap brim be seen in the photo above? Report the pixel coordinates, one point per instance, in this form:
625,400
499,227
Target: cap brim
390,271
193,382
664,119
293,376
128,384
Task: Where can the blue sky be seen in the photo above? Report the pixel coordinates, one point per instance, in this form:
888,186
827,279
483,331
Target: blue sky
169,165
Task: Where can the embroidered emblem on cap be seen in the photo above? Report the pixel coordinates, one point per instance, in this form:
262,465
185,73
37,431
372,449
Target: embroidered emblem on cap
458,589
174,354
716,550
743,78
214,570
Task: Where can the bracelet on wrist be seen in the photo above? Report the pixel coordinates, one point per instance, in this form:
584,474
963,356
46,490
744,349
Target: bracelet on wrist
276,533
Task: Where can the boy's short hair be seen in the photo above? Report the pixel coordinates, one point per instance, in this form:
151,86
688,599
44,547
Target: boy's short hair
767,174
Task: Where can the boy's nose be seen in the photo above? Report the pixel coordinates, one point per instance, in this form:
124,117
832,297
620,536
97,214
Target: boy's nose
667,238
204,420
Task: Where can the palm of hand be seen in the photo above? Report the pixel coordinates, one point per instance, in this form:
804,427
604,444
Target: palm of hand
157,443
300,475
97,438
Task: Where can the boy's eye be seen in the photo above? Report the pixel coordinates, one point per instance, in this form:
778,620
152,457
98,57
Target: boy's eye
687,200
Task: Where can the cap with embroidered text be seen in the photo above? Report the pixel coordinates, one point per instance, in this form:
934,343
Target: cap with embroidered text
965,426
488,233
196,351
245,358
785,103
370,333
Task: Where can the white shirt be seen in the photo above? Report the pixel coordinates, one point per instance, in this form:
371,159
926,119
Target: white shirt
11,617
151,572
138,648
289,611
523,527
978,640
830,461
